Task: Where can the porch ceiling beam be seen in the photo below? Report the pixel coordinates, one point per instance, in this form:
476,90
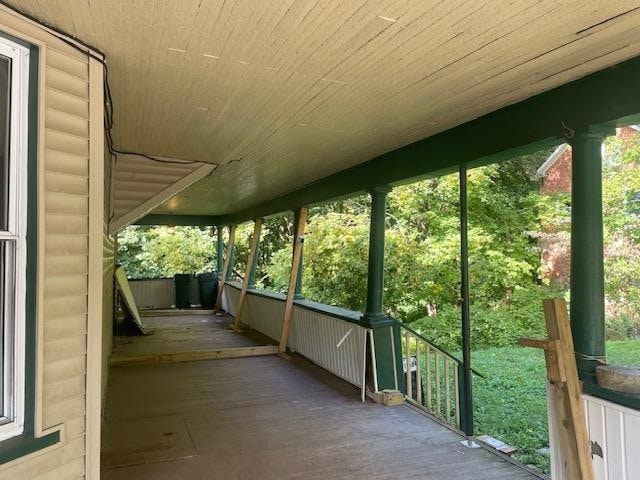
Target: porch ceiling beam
607,96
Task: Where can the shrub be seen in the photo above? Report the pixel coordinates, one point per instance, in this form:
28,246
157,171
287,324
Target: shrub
498,326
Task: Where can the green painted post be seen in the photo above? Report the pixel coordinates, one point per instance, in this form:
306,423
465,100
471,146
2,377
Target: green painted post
466,399
219,250
375,274
386,333
298,292
587,262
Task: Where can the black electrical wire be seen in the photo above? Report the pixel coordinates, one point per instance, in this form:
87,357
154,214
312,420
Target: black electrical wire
99,55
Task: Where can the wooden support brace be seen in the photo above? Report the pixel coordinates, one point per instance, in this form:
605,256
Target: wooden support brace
297,252
538,343
565,400
225,268
152,359
255,242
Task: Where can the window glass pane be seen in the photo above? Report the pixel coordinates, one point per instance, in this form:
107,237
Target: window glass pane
5,109
6,329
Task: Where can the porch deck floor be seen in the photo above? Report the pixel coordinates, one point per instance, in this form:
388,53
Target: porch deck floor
272,417
182,333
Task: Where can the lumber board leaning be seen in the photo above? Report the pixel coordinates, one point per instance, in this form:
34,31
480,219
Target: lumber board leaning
178,357
123,288
255,242
567,394
295,263
565,405
225,267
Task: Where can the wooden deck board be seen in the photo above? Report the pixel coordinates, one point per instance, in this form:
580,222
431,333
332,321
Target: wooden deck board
269,418
182,333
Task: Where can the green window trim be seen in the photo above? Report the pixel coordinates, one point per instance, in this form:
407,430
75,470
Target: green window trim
26,443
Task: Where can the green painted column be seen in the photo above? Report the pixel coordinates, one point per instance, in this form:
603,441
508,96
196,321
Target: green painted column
386,331
587,259
219,250
375,275
298,292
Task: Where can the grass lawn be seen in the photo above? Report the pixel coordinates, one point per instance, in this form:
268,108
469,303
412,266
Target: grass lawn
510,402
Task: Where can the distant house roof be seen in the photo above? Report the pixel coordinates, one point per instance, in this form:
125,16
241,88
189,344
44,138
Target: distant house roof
557,153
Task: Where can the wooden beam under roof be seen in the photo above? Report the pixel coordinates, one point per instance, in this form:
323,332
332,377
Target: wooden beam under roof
609,96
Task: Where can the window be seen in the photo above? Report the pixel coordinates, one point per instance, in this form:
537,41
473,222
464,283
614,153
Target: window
14,81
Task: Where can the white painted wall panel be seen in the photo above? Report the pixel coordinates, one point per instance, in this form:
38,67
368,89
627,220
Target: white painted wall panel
230,300
153,293
317,336
333,343
616,429
159,292
265,315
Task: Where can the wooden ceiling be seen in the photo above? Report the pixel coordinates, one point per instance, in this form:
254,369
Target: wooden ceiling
283,93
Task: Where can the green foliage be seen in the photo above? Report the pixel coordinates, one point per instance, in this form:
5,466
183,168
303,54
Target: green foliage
335,259
621,214
158,252
274,258
423,246
500,325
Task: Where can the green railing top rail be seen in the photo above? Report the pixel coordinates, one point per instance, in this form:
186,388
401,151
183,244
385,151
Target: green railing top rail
349,316
429,342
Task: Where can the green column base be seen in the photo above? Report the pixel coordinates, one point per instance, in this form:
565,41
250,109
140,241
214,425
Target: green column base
388,353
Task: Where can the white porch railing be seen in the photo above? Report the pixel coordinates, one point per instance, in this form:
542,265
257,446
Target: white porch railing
158,293
329,340
432,377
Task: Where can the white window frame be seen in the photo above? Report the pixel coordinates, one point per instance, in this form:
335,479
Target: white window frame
12,418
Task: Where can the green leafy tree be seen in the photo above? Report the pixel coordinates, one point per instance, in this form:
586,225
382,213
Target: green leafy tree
160,252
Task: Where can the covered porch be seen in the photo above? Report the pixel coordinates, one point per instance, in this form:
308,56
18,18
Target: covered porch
221,113
267,417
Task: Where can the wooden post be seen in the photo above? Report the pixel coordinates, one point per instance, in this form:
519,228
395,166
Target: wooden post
297,251
255,242
565,396
225,268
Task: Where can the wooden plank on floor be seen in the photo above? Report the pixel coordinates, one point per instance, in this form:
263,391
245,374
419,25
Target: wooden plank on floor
175,312
236,352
